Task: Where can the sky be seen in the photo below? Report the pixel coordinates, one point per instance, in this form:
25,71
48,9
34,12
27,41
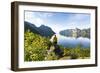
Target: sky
58,20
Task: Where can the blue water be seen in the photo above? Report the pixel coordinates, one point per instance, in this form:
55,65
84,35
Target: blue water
73,42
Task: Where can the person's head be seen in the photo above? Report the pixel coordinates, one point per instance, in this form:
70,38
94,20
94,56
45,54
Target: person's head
55,35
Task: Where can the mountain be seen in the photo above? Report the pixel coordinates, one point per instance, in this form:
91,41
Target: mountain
42,30
45,30
31,27
76,32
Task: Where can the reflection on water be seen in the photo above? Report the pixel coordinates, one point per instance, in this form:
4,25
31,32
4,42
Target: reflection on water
72,41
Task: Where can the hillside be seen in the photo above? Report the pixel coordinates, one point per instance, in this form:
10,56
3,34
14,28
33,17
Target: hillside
42,30
76,32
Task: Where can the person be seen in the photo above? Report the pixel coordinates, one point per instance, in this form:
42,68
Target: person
55,39
54,48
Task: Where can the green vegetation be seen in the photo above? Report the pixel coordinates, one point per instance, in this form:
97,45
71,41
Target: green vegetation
77,53
36,49
35,46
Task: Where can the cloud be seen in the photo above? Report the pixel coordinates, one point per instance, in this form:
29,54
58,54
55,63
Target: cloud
29,16
44,15
38,21
32,18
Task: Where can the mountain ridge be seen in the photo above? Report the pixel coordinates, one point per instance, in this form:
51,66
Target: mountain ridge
42,30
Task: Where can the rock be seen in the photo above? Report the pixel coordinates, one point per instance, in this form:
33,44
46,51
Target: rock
54,52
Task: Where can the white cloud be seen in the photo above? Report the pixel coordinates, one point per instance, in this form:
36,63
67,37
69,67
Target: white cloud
45,15
39,21
73,25
57,27
30,17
